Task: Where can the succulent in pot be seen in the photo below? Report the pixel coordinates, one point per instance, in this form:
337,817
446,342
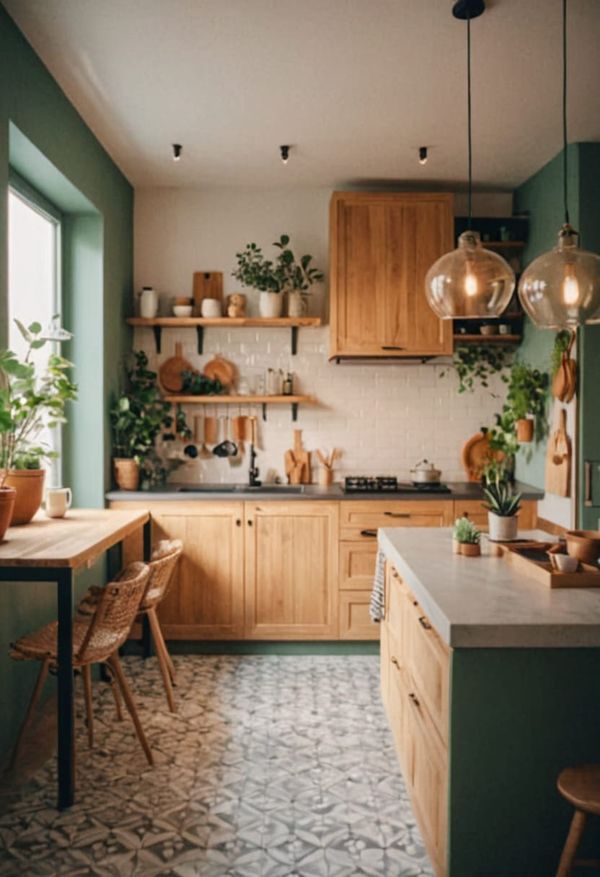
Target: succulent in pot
466,537
503,506
32,400
274,277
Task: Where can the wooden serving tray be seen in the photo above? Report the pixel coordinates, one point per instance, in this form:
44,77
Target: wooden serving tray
532,559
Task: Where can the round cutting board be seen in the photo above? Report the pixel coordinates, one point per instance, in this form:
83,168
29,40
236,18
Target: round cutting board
221,370
476,454
169,372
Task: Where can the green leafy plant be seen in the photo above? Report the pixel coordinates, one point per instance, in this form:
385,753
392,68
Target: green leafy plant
561,345
199,385
476,363
279,275
139,414
466,531
527,393
31,400
503,438
501,499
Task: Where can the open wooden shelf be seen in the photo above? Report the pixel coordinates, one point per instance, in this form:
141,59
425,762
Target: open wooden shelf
489,339
503,245
202,323
293,401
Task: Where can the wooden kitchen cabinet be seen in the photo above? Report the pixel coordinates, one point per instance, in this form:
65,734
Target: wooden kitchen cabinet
291,570
381,247
206,597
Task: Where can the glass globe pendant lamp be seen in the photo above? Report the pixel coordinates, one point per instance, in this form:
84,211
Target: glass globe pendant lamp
470,282
561,289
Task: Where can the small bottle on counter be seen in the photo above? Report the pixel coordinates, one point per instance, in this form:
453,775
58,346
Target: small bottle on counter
288,385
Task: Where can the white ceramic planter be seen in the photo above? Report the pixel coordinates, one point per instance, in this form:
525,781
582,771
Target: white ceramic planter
297,305
502,529
148,303
270,304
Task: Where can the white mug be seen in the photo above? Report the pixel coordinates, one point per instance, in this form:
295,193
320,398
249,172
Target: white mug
58,500
210,307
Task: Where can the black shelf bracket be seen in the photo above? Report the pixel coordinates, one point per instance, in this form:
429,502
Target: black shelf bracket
294,411
264,411
294,340
157,337
200,339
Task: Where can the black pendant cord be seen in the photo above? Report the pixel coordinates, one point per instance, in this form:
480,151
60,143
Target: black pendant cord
564,100
470,139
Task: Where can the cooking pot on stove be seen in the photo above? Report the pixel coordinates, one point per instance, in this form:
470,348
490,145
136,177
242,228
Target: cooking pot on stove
425,473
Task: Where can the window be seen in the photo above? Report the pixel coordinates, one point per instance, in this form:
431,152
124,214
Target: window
33,282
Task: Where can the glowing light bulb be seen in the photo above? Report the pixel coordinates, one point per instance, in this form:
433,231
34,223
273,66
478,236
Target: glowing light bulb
470,284
570,286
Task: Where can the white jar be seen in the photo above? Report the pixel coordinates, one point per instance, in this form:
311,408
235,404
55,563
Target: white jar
148,303
270,304
211,308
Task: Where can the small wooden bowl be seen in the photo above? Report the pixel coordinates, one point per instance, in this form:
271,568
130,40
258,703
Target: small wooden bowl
584,545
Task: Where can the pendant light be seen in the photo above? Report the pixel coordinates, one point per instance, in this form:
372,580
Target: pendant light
470,282
561,289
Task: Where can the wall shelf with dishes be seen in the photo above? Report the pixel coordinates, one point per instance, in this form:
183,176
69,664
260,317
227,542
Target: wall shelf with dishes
508,237
201,323
293,401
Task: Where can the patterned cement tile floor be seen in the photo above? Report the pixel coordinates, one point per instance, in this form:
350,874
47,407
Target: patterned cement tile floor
272,767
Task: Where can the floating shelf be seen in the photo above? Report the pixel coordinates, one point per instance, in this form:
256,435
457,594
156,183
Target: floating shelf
489,339
201,323
292,401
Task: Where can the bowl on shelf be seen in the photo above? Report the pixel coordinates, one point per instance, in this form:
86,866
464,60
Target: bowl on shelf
489,330
584,545
182,310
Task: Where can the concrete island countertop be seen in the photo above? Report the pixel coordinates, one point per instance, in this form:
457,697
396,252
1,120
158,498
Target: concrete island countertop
485,602
171,492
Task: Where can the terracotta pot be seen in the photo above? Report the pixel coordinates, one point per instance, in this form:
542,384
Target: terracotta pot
127,473
470,549
29,484
524,430
7,504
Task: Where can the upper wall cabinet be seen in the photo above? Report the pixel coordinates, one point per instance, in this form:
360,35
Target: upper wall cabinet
381,247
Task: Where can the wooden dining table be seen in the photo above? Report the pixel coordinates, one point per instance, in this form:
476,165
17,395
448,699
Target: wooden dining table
52,550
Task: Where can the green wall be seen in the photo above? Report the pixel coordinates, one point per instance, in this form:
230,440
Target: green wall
43,137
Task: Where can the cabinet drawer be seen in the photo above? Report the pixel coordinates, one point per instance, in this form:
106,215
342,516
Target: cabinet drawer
355,621
360,519
357,565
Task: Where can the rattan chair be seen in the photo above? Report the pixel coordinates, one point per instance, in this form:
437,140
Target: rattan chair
164,559
101,625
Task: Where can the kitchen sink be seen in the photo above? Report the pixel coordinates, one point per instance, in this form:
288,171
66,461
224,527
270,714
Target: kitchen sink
241,488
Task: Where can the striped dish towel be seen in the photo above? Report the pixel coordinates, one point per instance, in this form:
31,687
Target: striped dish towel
377,607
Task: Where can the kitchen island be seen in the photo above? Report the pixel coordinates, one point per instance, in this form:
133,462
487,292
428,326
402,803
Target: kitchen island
491,682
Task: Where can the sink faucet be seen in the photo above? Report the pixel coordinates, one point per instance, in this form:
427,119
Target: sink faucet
254,471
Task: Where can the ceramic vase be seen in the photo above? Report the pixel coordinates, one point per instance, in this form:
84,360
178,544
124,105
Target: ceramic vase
270,304
502,528
296,304
148,303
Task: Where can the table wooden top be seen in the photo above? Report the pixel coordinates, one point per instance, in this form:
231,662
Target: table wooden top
81,536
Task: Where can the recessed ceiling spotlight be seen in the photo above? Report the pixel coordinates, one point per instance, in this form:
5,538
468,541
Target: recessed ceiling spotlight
423,155
177,150
285,153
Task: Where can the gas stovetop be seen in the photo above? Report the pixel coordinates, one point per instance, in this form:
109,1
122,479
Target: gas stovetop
390,484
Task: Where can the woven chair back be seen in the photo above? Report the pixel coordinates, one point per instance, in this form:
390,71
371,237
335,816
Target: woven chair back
165,557
117,605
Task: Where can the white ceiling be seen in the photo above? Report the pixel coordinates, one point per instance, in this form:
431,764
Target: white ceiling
355,85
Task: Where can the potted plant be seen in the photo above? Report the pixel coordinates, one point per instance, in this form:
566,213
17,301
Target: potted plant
31,399
465,538
503,506
526,398
272,278
138,416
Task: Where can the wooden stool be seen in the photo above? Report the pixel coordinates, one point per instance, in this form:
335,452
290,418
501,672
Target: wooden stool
100,627
581,786
164,559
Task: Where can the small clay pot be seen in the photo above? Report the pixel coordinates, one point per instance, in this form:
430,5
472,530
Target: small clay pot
7,504
524,430
470,549
455,546
127,473
29,485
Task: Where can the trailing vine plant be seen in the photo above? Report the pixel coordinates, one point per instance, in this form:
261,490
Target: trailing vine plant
476,363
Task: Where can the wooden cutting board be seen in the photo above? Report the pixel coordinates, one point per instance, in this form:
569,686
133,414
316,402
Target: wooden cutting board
302,458
476,454
558,459
170,371
207,284
221,369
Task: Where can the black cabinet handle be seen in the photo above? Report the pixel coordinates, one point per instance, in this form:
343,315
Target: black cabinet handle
238,522
587,474
414,699
392,347
397,514
395,661
371,533
424,623
249,523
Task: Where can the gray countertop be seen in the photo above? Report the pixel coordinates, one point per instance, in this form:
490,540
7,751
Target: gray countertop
484,602
171,492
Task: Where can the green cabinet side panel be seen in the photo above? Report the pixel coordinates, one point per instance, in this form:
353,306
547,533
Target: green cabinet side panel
518,717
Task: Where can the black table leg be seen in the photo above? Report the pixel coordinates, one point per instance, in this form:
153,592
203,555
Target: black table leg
66,724
147,644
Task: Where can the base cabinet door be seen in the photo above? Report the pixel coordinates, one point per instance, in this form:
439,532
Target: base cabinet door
206,600
355,621
291,570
